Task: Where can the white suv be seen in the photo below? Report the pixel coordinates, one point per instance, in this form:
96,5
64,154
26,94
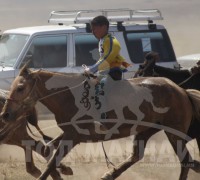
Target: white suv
64,47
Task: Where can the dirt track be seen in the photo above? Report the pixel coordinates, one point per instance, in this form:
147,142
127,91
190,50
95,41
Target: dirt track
88,163
92,171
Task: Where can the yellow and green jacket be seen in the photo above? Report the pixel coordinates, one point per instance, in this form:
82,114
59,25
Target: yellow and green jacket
109,50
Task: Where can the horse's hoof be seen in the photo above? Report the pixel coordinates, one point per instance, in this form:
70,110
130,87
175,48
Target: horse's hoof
65,170
35,172
107,176
56,178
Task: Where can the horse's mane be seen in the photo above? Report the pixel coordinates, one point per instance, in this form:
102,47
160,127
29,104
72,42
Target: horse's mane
52,73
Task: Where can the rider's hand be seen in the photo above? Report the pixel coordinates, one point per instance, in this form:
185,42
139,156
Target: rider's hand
87,70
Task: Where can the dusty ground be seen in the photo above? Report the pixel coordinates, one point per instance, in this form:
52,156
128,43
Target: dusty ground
91,171
88,163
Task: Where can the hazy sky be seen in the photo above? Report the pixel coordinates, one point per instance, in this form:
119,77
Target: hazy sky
181,17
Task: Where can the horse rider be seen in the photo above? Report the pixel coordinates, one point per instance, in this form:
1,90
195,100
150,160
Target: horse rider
110,62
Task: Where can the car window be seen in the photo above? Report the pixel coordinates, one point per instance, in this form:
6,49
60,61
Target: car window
48,52
11,46
86,49
139,43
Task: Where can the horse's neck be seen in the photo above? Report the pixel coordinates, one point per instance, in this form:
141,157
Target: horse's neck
57,90
173,74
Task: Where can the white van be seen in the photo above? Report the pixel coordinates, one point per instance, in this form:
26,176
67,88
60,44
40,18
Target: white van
67,42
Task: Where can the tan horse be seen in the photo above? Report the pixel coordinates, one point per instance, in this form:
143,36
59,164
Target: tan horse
16,134
140,106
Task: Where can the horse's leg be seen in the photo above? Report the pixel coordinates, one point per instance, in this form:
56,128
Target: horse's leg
194,130
47,149
60,152
30,166
137,154
32,118
38,147
54,174
53,142
179,146
45,137
20,134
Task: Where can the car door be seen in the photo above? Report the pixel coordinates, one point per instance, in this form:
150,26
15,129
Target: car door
48,52
85,50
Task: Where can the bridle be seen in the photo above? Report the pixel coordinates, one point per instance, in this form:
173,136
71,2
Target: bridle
27,101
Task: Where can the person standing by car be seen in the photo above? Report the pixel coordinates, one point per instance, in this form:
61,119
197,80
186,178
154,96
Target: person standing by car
110,62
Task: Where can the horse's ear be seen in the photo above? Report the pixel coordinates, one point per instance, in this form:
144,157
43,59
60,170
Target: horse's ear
25,71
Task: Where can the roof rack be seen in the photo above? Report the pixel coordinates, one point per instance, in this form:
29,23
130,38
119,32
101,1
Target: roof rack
113,15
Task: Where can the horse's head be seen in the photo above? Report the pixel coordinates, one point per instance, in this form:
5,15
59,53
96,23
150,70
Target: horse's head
21,96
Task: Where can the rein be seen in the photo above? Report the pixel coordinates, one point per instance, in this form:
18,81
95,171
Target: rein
180,84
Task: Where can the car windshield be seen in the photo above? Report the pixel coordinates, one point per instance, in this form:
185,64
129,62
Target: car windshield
11,46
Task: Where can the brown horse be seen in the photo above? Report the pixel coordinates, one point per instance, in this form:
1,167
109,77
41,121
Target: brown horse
140,106
16,134
187,79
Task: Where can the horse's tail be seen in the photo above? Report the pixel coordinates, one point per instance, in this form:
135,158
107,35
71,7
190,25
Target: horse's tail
194,96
